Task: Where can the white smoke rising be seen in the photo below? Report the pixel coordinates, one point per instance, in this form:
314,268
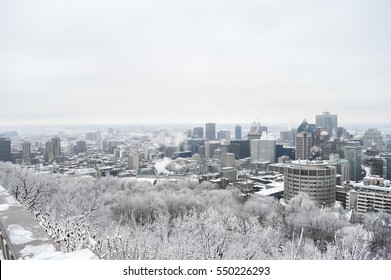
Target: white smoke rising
169,138
161,165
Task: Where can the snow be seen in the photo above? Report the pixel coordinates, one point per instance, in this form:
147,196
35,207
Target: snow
48,252
18,235
11,200
4,207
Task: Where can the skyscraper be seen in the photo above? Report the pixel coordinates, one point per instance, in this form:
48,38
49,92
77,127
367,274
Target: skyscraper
81,146
326,120
223,135
305,140
373,136
238,132
198,132
263,150
210,131
255,131
353,153
49,151
303,145
5,149
56,146
26,152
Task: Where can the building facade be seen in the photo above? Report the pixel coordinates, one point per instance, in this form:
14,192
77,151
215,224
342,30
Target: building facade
373,138
255,131
263,150
315,178
26,152
5,149
303,145
238,132
210,131
198,132
326,120
353,153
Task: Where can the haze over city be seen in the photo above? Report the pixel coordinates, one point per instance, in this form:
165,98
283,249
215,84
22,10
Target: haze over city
117,62
195,138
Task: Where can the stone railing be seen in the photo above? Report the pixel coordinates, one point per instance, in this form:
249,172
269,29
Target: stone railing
21,236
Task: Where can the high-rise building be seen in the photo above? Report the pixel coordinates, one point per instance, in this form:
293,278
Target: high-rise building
375,166
56,146
238,132
255,131
241,148
5,149
303,145
373,137
198,132
342,166
353,153
387,166
287,137
26,152
326,120
134,161
285,152
49,151
210,131
315,178
263,150
223,135
210,148
81,147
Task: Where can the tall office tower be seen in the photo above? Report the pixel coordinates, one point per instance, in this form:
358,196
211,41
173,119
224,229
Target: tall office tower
49,151
387,165
5,149
198,132
375,165
303,145
263,150
56,146
285,152
326,120
223,135
238,132
241,148
342,166
134,161
353,153
315,178
26,152
210,131
81,147
255,131
373,136
210,148
287,137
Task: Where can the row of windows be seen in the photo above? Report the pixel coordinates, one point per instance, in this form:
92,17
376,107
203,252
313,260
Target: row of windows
306,172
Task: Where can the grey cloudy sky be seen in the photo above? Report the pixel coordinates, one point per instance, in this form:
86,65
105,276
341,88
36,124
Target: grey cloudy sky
79,61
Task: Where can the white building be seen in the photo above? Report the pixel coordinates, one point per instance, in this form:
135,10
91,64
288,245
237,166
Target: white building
263,150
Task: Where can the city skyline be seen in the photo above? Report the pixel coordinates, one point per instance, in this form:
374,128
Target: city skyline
92,62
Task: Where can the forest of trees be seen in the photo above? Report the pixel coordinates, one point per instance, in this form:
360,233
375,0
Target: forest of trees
124,218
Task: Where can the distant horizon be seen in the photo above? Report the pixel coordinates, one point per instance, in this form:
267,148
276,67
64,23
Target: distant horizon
174,126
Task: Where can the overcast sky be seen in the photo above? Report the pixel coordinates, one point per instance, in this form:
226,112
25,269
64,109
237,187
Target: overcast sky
194,61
